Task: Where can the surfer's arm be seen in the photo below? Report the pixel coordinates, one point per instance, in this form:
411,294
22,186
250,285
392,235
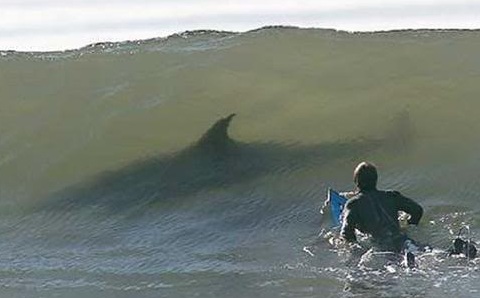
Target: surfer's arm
411,207
348,226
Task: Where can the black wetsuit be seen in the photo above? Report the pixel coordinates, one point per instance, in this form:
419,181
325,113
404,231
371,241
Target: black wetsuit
375,213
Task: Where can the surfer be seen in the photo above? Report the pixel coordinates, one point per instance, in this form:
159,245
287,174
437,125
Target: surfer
375,212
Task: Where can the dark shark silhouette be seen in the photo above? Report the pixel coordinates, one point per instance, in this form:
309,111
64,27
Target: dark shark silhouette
214,161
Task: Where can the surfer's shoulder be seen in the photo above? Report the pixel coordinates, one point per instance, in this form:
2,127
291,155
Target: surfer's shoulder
393,192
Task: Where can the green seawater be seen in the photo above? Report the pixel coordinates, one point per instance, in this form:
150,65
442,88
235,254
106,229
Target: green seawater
310,104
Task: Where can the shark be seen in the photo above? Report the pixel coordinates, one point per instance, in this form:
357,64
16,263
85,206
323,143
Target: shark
215,160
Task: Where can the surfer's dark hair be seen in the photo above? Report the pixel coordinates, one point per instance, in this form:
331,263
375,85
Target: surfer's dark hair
365,176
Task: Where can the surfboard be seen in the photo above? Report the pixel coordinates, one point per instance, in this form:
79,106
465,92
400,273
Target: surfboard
337,203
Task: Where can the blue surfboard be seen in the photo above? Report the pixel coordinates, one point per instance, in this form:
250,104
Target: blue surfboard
337,202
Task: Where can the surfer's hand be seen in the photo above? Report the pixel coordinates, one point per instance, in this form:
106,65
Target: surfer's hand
348,194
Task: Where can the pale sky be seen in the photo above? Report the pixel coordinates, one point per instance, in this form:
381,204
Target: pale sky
40,25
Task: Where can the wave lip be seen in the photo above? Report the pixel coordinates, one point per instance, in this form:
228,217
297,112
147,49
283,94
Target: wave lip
204,40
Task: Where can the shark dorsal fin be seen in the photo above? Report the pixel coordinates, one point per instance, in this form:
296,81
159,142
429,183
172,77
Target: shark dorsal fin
216,137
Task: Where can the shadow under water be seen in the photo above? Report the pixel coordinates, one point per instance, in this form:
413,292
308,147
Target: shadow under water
214,161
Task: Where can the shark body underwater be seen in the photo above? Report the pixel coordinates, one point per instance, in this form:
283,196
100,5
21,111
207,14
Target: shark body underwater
215,160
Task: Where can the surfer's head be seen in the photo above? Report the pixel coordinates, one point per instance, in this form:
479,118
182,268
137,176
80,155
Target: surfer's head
365,176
